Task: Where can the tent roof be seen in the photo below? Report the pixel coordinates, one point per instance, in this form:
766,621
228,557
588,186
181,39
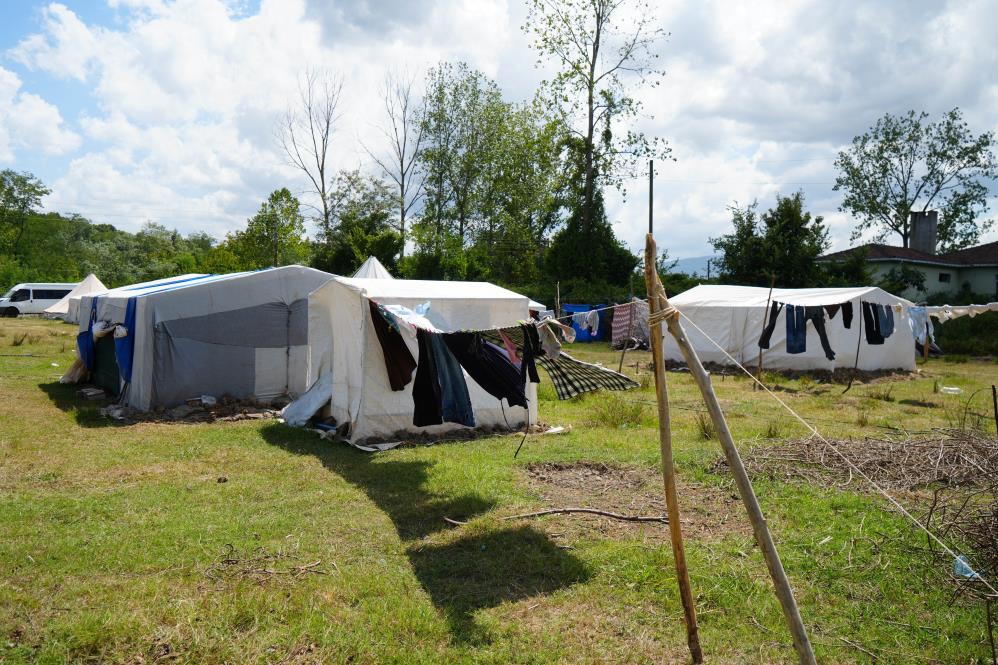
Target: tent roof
429,289
717,295
372,269
90,284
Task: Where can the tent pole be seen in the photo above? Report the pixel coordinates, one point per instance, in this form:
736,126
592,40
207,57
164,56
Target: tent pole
668,469
925,344
765,322
762,535
557,300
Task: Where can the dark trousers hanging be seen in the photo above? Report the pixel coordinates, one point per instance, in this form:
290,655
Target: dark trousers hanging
816,315
796,329
871,323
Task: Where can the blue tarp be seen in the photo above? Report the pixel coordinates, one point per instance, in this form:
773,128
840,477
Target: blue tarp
85,339
124,347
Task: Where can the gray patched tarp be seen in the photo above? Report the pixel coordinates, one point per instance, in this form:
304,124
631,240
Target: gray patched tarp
243,334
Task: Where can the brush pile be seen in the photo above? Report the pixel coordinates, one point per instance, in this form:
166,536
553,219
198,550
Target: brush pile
950,478
947,457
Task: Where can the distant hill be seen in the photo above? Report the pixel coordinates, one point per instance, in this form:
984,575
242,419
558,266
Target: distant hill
695,265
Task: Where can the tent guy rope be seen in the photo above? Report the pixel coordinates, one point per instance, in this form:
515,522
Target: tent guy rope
852,465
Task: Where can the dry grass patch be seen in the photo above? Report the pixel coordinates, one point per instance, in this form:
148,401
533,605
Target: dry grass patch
707,512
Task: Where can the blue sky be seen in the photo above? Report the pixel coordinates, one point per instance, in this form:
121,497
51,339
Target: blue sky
164,110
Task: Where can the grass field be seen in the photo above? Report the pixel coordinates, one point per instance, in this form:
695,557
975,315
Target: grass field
120,543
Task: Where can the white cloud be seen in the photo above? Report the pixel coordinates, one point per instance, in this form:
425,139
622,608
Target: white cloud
29,123
757,98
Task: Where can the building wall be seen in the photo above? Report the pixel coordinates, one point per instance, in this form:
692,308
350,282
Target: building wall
981,280
978,280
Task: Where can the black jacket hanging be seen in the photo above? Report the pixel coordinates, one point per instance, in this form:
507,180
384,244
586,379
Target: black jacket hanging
489,367
767,333
871,323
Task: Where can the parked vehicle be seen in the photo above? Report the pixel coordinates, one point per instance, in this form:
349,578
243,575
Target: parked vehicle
33,298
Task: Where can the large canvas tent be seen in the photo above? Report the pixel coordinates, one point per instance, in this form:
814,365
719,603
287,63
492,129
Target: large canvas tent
242,334
372,268
347,362
67,309
733,316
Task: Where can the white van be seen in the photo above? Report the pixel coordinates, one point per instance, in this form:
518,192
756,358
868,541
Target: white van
33,298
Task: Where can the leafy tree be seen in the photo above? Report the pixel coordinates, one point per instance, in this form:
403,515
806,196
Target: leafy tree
905,163
20,196
362,210
783,243
605,51
460,113
902,278
851,271
274,236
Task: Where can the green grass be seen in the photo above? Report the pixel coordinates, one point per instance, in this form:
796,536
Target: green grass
111,537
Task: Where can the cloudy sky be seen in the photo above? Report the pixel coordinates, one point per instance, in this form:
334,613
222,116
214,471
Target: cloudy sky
135,110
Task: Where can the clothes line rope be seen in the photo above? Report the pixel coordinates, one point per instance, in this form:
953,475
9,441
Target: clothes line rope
838,452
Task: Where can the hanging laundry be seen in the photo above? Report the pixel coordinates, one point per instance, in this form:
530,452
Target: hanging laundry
579,319
439,391
510,347
847,314
832,310
548,330
921,324
816,315
767,332
871,322
886,314
488,366
399,362
573,377
531,350
796,329
592,322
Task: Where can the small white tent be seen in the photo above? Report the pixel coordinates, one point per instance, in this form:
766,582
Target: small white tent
733,316
344,345
372,269
243,334
67,309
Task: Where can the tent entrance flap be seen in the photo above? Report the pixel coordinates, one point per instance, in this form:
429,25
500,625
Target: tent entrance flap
105,373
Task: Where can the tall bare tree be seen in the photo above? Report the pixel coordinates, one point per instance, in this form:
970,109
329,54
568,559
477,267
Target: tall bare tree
307,129
599,46
403,132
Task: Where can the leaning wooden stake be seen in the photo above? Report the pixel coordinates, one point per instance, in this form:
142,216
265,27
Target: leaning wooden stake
762,536
765,322
653,285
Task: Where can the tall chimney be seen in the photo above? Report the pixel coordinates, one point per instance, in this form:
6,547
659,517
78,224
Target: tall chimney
923,231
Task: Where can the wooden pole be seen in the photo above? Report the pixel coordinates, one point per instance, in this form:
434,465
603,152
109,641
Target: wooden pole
557,300
765,322
668,469
994,398
762,536
925,344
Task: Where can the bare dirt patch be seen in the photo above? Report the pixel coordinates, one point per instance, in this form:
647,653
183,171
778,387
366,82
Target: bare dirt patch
707,512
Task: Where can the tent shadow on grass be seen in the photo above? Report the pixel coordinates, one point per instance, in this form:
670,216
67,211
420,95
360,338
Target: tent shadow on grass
86,413
471,572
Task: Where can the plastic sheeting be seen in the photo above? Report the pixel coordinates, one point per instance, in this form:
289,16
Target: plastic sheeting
733,316
244,334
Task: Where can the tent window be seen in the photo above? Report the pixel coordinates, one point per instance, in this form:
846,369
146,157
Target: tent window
944,277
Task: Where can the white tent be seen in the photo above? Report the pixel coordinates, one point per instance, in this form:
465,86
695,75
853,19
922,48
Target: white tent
243,334
67,309
344,345
372,269
733,317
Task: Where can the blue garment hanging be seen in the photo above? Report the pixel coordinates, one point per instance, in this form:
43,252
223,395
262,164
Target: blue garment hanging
796,329
85,339
124,347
